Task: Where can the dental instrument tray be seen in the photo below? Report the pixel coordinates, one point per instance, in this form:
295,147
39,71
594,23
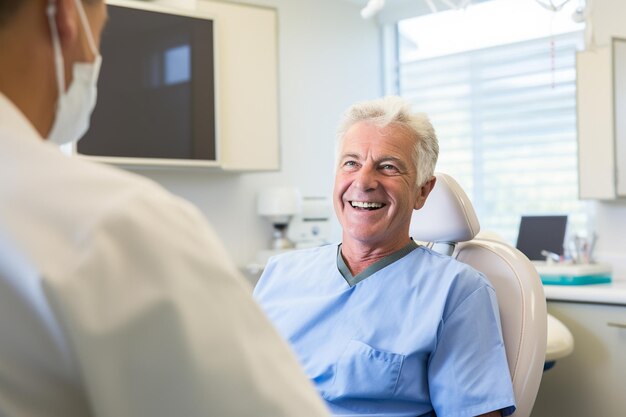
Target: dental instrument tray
573,274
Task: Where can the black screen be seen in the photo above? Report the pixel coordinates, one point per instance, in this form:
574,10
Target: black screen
156,88
537,233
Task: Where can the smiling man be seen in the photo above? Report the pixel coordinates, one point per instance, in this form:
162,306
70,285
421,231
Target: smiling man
381,325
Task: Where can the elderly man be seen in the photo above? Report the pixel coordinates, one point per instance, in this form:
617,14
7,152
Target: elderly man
382,326
116,298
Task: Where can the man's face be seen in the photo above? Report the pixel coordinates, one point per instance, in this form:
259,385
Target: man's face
375,186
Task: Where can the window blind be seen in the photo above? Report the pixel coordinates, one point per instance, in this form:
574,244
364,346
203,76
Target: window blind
506,121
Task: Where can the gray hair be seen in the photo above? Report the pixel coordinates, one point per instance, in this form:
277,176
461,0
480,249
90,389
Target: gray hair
394,110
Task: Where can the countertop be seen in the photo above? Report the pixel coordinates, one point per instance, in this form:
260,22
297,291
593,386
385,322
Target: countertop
611,293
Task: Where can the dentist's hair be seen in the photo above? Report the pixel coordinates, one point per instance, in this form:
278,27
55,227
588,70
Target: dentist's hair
393,110
8,8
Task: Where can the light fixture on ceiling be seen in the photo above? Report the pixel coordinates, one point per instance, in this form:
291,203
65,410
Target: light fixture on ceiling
371,8
553,5
579,15
374,6
581,12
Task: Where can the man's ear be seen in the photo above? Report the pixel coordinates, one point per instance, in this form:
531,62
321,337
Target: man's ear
423,193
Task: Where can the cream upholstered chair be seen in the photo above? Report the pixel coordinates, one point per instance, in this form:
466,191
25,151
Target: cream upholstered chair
448,224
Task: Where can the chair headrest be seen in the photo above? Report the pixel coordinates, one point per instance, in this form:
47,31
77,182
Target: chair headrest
447,215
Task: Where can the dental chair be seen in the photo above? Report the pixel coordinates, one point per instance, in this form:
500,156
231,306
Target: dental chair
448,224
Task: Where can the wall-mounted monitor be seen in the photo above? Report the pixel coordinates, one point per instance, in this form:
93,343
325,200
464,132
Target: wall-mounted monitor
156,91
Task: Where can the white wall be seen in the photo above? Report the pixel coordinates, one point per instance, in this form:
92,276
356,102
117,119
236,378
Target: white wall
328,58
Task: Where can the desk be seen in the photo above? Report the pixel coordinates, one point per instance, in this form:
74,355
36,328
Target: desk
612,293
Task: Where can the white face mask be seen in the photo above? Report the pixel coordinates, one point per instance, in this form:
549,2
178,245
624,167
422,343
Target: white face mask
75,105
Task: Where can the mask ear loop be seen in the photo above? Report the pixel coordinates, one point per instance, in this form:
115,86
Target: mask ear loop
86,27
51,11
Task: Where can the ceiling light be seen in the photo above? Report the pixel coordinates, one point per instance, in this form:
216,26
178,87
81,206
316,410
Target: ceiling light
372,7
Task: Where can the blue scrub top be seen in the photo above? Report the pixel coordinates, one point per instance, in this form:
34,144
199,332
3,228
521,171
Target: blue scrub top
418,337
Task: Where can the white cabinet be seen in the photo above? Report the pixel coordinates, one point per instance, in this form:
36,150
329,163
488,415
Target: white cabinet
589,382
247,72
601,114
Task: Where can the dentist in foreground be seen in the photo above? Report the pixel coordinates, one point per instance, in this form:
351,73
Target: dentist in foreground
116,298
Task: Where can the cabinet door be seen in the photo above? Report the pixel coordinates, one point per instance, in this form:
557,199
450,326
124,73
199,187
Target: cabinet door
589,382
594,113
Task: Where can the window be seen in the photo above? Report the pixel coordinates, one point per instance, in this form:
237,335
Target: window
505,115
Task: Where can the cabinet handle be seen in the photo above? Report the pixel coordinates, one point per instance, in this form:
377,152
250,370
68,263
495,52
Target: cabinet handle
618,325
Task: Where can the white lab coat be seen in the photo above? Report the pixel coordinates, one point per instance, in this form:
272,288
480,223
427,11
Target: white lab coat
118,300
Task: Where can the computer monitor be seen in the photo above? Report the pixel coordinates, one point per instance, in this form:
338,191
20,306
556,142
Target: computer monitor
156,92
537,233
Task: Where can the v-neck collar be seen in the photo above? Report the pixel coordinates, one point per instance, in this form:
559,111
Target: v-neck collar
375,267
